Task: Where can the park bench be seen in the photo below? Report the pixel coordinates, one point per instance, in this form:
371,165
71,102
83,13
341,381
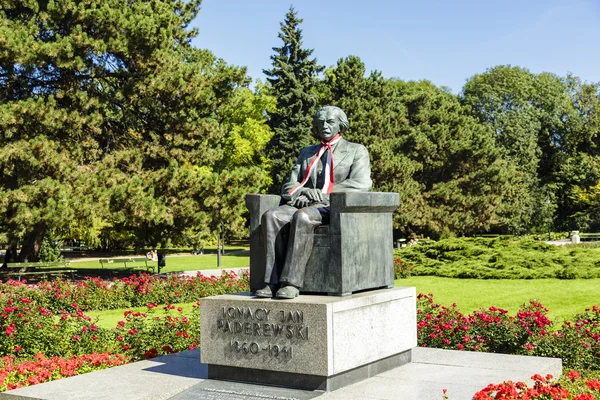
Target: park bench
38,269
589,236
134,263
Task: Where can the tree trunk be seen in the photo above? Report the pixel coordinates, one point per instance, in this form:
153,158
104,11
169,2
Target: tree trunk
11,254
33,242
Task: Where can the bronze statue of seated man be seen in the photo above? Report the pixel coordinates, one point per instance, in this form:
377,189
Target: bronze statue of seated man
334,165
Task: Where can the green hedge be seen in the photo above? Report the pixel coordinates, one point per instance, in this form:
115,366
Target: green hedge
504,257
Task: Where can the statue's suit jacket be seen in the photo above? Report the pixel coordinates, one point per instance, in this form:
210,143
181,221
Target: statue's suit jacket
351,169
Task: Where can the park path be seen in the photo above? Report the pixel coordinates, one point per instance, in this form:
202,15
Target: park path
215,272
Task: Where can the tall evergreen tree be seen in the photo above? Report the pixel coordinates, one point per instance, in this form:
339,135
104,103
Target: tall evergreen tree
293,79
109,123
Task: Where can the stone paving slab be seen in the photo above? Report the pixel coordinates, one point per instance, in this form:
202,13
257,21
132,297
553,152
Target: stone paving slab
219,390
156,379
182,377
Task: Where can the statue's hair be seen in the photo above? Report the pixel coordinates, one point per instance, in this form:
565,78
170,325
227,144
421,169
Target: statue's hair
339,114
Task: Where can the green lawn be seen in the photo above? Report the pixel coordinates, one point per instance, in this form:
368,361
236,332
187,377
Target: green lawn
184,263
109,318
563,298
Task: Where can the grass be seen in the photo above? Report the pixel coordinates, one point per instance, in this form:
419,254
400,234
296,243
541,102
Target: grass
109,318
177,263
563,298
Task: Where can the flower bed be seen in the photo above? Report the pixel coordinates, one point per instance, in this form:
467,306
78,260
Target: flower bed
14,375
543,388
528,332
133,291
45,329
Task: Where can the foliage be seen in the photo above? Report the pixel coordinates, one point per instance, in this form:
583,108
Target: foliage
543,388
425,145
529,332
133,291
15,374
293,80
503,257
112,127
50,250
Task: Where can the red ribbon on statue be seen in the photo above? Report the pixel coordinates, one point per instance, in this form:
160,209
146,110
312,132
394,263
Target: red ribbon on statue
329,180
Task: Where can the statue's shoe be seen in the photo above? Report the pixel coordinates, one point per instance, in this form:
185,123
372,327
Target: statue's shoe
264,292
288,292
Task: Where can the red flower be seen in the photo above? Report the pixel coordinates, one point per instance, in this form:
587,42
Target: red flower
585,396
538,378
593,384
573,375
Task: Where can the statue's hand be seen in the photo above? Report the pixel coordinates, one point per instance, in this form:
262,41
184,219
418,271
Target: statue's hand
316,195
300,202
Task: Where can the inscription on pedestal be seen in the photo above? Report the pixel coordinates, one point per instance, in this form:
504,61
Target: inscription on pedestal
244,325
267,334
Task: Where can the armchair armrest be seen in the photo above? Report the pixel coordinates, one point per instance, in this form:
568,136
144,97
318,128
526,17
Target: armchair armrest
257,205
361,211
364,202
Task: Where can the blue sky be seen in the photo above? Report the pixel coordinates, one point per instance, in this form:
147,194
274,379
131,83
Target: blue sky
444,41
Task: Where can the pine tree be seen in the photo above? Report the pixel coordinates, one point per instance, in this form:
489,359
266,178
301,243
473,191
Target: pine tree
293,79
109,122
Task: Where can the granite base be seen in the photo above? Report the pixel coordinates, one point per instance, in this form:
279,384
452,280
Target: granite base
311,342
305,381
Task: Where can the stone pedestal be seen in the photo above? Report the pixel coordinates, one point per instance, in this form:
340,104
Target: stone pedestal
311,342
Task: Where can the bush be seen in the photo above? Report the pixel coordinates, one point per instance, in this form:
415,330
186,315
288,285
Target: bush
15,374
50,250
503,257
529,332
491,330
401,269
571,387
132,291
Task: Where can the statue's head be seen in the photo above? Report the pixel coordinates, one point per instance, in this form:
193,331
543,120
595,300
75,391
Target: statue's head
328,122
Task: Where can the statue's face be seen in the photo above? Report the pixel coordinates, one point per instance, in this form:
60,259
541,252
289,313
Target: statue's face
327,125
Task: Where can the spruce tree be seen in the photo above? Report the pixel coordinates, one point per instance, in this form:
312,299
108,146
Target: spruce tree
293,79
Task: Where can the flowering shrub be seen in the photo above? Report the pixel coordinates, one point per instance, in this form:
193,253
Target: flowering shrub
401,269
577,342
528,332
490,330
543,388
48,320
28,329
14,374
132,291
147,335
